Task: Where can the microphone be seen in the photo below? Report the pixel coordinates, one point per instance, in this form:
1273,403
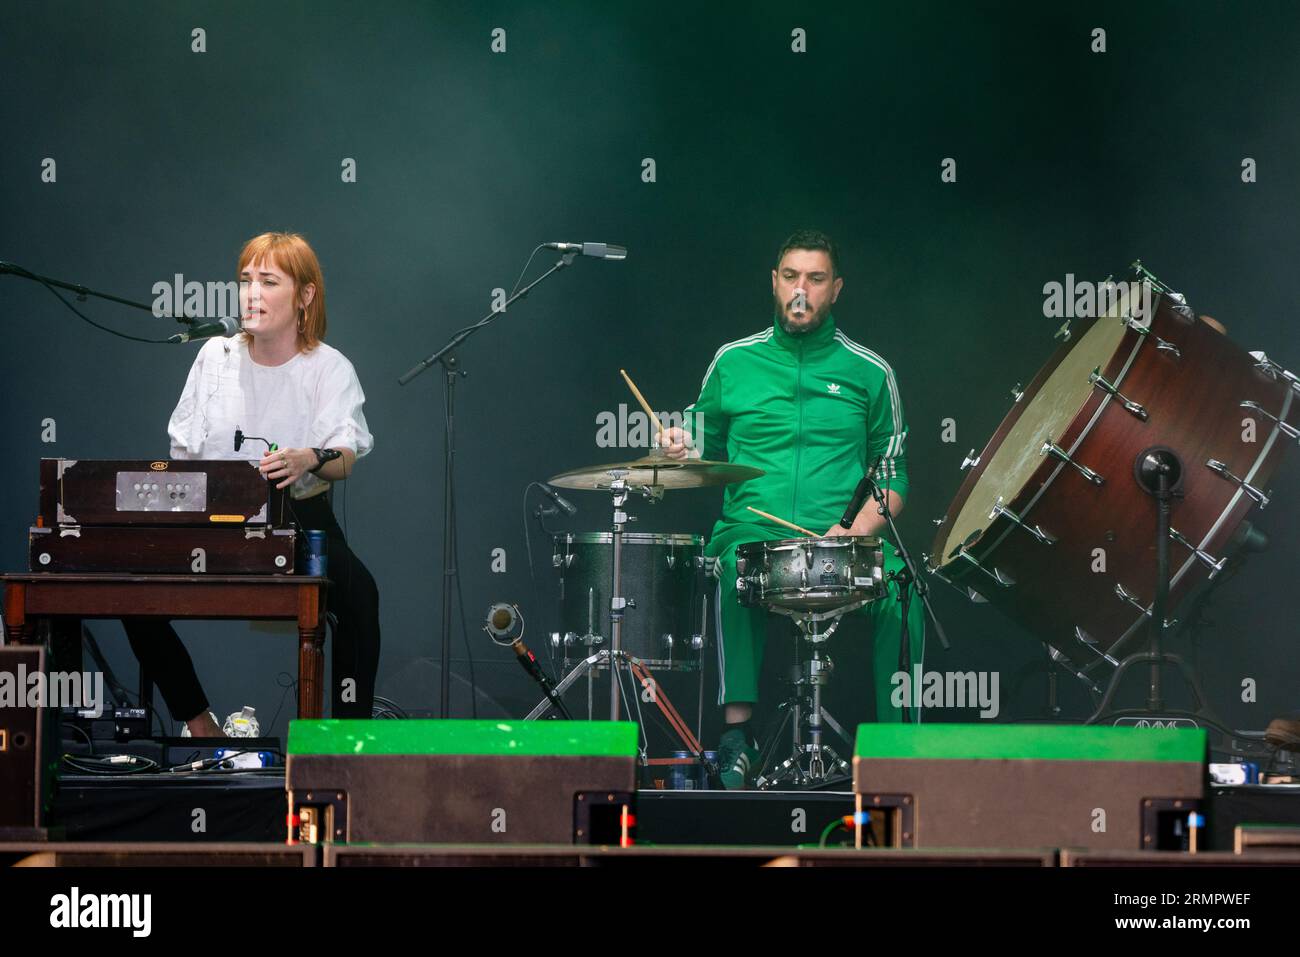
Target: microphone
568,507
860,495
501,620
599,250
224,326
499,624
241,438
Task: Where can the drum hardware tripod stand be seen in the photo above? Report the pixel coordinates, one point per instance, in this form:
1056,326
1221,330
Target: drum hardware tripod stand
807,765
812,763
614,657
1159,472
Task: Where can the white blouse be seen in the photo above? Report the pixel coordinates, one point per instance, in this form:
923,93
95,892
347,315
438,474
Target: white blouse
312,401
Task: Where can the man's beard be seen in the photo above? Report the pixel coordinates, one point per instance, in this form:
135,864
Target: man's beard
818,318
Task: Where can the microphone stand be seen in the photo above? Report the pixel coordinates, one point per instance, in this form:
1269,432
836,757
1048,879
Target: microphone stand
528,661
82,292
451,365
907,580
1159,472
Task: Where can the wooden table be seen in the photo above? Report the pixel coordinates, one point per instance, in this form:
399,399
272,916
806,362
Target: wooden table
31,598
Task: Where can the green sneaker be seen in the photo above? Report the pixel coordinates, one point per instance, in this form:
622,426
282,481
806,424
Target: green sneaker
737,761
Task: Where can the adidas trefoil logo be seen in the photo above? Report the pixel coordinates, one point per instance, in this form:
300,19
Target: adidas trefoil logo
833,388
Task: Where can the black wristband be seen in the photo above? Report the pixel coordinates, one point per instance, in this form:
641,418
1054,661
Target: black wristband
323,456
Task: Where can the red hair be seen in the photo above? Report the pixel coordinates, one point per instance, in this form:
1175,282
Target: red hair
293,255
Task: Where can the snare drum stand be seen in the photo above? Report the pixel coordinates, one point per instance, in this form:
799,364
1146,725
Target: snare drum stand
811,764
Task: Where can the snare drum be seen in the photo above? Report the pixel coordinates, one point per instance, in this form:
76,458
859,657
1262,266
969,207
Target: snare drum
812,578
1051,525
666,620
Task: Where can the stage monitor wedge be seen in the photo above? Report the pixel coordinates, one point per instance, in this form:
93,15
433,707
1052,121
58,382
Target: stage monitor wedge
453,781
1025,786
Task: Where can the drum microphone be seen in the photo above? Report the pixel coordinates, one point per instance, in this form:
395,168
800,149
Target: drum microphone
568,507
500,622
860,495
598,250
224,326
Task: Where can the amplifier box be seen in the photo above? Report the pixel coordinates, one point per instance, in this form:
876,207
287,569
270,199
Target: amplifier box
980,785
457,781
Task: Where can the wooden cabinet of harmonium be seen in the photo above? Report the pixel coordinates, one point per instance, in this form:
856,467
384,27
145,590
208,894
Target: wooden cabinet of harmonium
178,517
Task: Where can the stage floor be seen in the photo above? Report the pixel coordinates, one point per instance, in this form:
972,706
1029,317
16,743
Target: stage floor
250,806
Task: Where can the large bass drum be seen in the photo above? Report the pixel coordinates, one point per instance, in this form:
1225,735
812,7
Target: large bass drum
1051,525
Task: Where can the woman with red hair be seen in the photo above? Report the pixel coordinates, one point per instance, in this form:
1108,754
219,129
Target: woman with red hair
280,380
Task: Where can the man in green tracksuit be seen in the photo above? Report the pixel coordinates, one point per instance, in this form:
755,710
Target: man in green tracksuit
814,410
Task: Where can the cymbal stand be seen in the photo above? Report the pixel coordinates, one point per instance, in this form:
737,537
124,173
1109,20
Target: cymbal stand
613,656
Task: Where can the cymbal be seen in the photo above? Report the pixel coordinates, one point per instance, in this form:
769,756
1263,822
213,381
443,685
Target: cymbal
657,471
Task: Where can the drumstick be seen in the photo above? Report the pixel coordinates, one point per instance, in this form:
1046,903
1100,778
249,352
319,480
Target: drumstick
781,521
644,404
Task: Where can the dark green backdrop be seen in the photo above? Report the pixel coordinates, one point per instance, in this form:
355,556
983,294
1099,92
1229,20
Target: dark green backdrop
1068,161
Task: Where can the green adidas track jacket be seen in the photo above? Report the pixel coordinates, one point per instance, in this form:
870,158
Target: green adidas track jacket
812,411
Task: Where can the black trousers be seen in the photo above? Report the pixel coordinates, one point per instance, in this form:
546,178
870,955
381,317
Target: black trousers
353,598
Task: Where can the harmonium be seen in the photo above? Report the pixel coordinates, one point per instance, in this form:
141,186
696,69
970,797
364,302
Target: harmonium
161,517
